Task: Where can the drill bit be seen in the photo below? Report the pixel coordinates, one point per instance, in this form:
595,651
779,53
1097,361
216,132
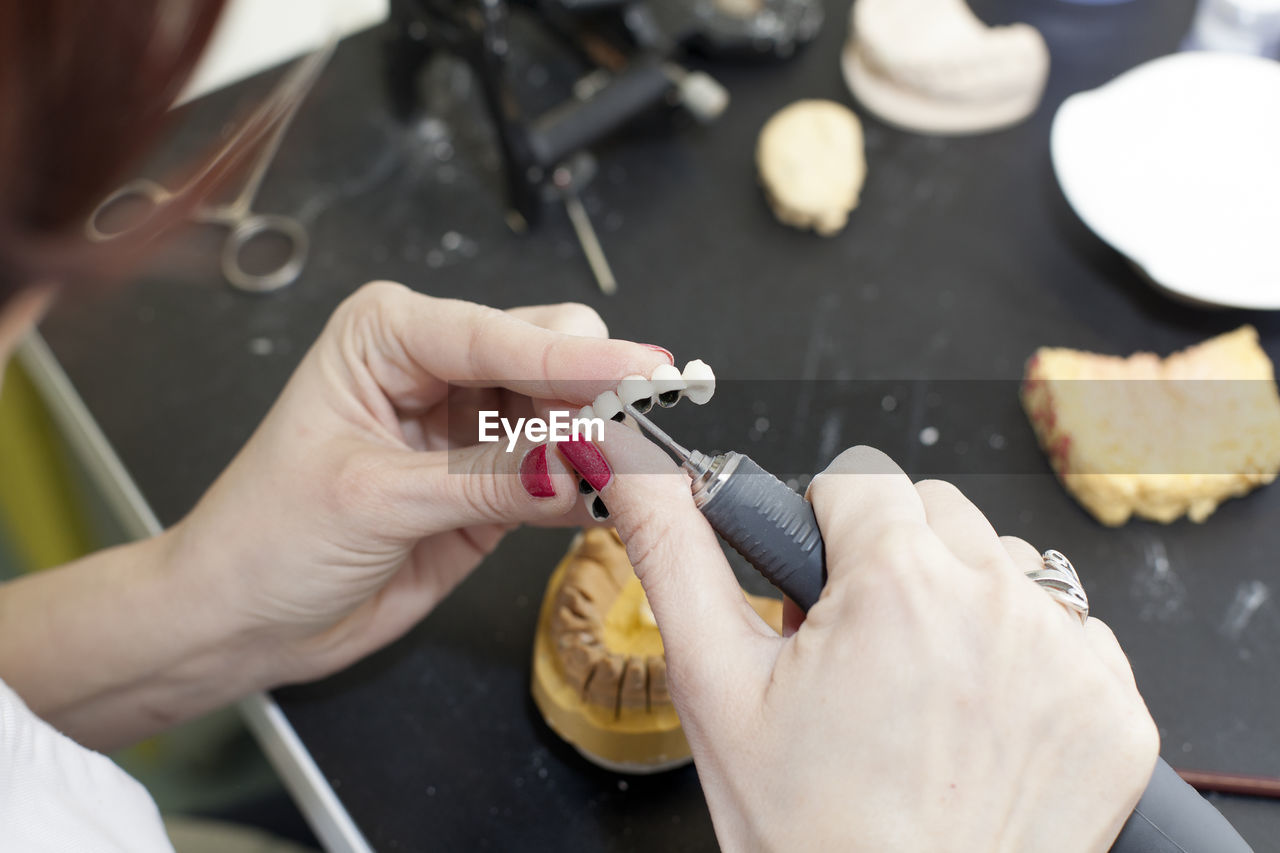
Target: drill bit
693,461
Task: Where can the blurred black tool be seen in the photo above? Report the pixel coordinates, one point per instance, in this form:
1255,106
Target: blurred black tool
631,52
745,29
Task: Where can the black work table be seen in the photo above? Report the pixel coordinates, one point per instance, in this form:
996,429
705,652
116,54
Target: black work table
962,259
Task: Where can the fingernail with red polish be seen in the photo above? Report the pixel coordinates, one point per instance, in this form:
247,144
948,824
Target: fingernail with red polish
671,358
534,475
587,460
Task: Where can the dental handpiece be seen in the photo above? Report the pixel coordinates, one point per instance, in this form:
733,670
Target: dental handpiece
764,520
776,530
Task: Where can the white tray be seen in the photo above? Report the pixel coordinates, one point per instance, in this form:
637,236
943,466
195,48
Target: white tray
1176,163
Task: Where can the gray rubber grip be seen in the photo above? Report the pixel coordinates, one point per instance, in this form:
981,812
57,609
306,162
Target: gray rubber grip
773,527
1172,817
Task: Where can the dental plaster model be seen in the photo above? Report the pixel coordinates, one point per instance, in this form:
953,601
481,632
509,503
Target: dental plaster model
811,164
1155,437
599,672
932,66
664,388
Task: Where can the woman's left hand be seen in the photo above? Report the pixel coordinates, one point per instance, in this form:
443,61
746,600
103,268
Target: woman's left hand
363,499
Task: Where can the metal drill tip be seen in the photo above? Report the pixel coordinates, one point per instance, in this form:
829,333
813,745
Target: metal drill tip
662,438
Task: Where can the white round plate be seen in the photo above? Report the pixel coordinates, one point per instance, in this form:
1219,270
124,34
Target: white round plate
1176,163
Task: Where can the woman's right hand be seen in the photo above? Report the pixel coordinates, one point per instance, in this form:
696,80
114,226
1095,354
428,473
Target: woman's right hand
933,699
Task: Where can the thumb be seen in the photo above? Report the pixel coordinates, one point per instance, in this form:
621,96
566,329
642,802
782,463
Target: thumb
487,483
705,621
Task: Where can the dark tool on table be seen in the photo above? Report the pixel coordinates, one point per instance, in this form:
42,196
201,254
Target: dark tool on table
277,111
1245,784
545,156
740,29
632,52
776,530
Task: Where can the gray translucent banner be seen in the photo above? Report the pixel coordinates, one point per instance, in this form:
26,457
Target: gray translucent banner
941,428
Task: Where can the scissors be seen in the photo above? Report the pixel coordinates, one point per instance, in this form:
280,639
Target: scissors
271,119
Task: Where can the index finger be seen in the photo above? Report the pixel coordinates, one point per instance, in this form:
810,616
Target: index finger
467,344
861,497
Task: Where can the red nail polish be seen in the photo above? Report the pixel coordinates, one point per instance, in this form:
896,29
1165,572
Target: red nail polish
587,460
534,475
671,358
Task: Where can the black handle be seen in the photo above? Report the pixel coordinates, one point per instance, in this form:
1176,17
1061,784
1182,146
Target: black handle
1172,817
773,527
578,124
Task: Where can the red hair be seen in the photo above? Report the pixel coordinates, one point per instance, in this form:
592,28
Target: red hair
85,91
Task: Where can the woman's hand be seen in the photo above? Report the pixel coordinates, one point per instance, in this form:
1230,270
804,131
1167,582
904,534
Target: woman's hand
363,498
933,699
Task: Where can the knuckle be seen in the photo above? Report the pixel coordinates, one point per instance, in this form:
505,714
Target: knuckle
485,314
479,320
1141,734
1146,739
1102,632
373,294
1120,716
1022,551
481,491
364,310
1094,680
1017,542
1133,739
938,489
895,567
487,319
897,544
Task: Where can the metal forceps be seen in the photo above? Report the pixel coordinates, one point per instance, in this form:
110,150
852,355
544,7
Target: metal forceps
275,114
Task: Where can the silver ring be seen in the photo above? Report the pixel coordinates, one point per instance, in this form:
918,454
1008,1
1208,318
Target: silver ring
1058,578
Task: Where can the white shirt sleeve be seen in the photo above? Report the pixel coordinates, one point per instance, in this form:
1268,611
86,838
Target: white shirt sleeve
58,797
